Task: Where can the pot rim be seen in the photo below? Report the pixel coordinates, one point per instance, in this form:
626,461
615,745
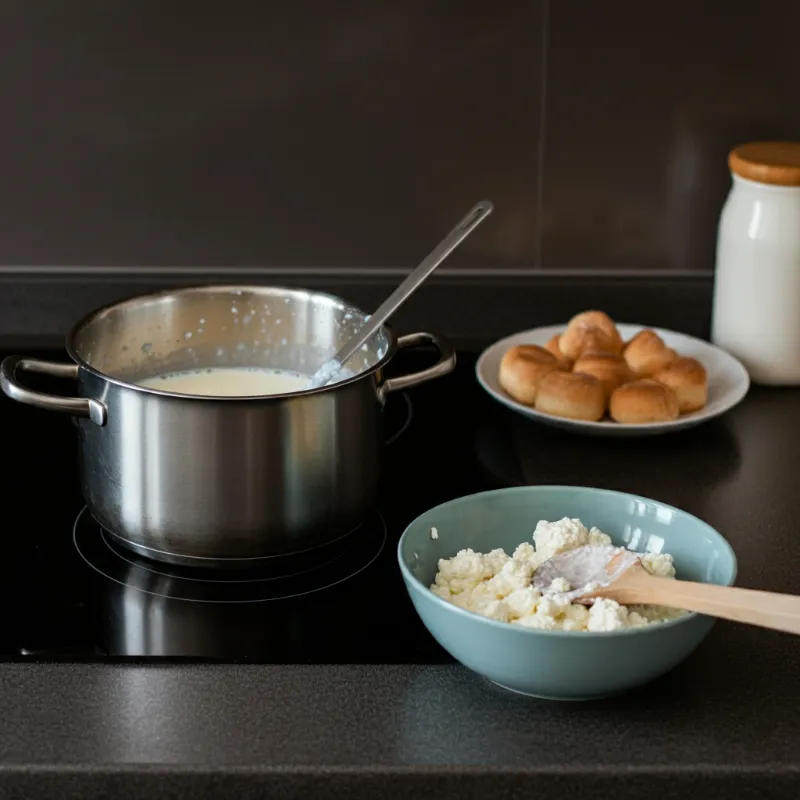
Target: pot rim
221,289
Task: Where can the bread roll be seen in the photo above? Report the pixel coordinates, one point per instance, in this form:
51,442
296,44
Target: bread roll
612,371
646,353
644,401
553,346
593,341
596,326
687,378
572,395
522,369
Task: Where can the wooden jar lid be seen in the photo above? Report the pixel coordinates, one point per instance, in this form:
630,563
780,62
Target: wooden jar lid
775,163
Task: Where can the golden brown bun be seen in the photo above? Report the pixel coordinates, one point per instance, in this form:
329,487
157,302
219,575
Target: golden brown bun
591,331
522,369
643,401
553,346
646,353
612,371
572,395
687,378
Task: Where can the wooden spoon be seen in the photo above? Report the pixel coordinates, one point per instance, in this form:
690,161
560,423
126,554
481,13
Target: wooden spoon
618,574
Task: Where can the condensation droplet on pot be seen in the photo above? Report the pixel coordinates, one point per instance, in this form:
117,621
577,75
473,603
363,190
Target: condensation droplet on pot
187,335
202,320
220,352
234,310
200,330
247,319
147,348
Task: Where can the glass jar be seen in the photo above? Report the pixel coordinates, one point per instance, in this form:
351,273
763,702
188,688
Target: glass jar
756,309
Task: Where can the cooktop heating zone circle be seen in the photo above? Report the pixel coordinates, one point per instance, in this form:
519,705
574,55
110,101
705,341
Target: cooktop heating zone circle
111,561
399,412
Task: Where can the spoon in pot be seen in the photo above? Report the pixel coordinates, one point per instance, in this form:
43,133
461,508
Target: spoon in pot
617,574
328,371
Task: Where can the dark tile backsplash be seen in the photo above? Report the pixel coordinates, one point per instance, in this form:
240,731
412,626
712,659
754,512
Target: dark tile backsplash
352,134
644,102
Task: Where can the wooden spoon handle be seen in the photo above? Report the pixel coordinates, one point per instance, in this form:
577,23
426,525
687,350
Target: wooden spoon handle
780,612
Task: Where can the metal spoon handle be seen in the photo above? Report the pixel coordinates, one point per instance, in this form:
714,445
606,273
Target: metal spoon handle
388,307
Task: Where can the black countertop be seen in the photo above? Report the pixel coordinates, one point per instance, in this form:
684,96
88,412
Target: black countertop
725,724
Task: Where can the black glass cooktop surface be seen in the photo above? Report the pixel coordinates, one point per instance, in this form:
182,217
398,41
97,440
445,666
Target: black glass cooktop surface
71,592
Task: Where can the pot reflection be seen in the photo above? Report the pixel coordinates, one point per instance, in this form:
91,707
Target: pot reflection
144,608
139,624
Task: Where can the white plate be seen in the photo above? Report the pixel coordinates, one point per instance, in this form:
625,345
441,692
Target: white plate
728,381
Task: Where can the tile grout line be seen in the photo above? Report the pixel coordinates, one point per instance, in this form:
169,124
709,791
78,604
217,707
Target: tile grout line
542,144
337,273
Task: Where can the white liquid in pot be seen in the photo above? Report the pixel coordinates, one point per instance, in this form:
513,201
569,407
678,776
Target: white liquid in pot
229,382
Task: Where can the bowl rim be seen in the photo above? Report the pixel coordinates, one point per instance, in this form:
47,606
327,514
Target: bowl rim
412,582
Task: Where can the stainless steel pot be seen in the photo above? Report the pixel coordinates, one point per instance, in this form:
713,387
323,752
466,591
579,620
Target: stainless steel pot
225,480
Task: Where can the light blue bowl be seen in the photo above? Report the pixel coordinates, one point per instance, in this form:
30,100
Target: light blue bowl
561,665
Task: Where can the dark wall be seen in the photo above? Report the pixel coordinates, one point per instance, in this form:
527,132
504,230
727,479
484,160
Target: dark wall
342,134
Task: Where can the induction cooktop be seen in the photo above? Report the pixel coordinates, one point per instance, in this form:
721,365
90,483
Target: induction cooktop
71,592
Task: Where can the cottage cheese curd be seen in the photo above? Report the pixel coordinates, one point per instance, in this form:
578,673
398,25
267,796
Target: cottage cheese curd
498,586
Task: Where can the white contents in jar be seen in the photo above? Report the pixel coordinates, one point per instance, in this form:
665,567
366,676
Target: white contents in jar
498,586
229,382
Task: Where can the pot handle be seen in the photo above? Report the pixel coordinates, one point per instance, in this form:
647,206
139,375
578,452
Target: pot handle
445,364
79,406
